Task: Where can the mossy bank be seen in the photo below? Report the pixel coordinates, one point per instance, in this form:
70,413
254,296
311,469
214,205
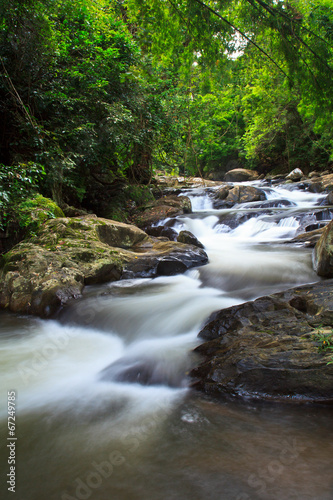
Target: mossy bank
41,274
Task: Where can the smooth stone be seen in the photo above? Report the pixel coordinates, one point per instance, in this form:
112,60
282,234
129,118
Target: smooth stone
240,175
265,349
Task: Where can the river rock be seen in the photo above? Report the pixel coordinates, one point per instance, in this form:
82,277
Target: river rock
327,181
308,239
161,258
314,174
238,194
164,231
167,206
167,180
295,175
241,175
188,237
222,192
323,253
40,275
315,186
266,349
171,181
245,194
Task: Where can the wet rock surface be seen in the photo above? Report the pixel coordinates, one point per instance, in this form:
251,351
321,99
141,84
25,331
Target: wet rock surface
266,349
228,196
162,231
40,275
143,372
323,253
189,238
167,206
309,238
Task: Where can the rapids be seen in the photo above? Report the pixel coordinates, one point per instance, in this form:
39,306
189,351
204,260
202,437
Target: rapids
103,405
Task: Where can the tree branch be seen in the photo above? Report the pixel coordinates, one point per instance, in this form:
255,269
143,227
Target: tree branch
286,16
242,34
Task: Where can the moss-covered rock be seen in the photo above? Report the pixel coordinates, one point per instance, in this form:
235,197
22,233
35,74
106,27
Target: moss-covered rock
40,275
26,219
33,212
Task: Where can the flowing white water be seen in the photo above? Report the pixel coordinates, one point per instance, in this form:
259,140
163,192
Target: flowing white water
249,260
110,376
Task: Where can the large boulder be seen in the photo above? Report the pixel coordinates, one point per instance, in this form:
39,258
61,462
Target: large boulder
323,253
222,192
327,181
40,275
295,175
268,348
241,175
245,194
167,206
238,194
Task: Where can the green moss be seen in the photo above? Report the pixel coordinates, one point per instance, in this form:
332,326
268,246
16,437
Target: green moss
84,256
14,255
140,194
79,224
33,212
40,202
118,214
9,261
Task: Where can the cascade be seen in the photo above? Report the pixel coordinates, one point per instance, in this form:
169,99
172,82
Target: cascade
109,377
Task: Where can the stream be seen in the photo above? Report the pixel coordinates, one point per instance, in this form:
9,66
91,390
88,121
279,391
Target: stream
103,405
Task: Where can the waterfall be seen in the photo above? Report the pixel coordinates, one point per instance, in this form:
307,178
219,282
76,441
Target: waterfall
110,375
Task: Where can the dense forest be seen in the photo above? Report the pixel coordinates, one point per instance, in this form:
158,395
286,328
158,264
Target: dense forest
96,96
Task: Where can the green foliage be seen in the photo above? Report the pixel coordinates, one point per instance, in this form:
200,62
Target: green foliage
102,93
72,99
276,133
324,342
217,126
16,184
140,195
32,212
178,34
282,99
